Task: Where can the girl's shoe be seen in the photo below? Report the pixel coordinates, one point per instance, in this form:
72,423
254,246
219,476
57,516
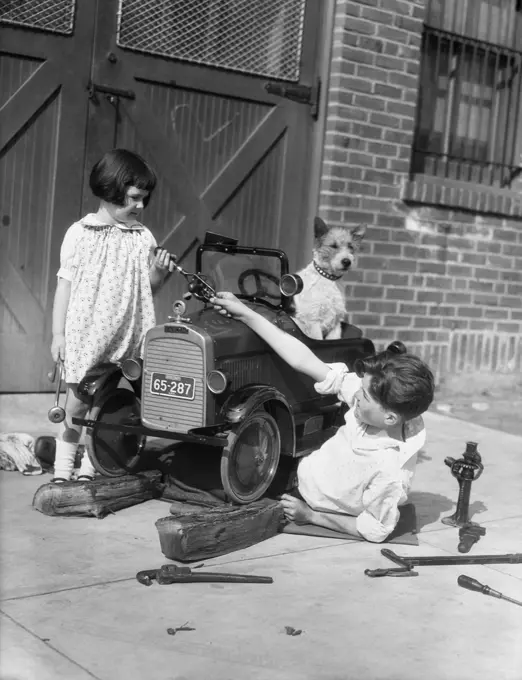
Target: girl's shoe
85,478
59,480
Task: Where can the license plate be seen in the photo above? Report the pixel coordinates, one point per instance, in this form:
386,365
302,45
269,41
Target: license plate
179,388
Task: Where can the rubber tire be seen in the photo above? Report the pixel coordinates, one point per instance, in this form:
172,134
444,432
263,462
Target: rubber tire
230,477
105,407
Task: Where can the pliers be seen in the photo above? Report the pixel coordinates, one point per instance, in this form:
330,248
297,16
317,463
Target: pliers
399,571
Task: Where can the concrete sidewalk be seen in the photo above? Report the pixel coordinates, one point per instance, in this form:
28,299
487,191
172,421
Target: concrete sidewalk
71,607
491,400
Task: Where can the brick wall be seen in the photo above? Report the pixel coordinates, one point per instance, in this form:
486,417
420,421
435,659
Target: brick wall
448,282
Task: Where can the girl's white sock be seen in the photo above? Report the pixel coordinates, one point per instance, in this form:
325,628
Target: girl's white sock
64,459
86,467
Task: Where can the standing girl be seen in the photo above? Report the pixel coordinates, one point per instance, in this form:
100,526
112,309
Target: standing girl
103,306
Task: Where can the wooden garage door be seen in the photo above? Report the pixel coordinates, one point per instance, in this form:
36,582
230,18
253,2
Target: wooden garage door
218,95
45,57
191,85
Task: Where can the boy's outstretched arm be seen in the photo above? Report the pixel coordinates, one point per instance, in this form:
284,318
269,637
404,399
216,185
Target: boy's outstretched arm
290,349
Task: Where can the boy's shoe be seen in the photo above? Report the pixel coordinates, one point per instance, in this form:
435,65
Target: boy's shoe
59,480
85,478
44,451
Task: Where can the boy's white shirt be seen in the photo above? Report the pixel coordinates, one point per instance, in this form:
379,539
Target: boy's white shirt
355,473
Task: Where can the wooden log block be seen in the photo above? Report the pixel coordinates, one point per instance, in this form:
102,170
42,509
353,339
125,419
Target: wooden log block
192,533
98,498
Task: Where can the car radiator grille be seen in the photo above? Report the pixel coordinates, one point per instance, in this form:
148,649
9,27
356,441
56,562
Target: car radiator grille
174,357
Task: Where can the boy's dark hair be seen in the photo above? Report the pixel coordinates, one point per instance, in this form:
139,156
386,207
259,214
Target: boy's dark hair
401,383
118,170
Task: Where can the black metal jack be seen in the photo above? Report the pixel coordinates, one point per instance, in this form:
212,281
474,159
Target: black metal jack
466,470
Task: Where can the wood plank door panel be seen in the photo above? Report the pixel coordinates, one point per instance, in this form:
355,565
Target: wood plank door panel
230,156
44,68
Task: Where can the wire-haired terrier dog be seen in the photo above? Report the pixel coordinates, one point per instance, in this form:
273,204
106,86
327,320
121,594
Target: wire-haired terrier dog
320,309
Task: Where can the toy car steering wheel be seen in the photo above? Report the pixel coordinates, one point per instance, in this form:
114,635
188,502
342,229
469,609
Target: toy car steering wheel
257,275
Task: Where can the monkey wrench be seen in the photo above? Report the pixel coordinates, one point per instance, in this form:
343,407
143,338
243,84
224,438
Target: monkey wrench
172,573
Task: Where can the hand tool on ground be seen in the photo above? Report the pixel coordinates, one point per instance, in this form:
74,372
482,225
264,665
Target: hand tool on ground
473,584
56,414
400,571
465,470
469,534
513,558
172,573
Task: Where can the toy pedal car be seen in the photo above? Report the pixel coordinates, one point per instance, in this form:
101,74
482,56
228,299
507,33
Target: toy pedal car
210,380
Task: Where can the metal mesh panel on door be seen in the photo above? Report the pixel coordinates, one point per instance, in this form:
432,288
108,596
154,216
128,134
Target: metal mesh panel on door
259,37
56,16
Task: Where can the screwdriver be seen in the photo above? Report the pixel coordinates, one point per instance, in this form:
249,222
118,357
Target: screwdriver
473,584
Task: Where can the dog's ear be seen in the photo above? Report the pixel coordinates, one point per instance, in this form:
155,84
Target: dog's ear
320,228
358,232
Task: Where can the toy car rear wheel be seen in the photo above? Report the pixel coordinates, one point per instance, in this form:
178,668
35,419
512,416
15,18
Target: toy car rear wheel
114,453
250,459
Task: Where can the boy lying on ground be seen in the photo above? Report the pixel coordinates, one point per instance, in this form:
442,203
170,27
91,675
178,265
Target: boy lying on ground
357,480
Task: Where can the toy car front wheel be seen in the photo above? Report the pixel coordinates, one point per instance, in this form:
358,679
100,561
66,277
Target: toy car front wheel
250,459
114,453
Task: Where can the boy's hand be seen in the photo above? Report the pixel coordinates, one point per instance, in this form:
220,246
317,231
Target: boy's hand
295,509
229,305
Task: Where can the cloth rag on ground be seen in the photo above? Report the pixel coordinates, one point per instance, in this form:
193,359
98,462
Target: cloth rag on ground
17,453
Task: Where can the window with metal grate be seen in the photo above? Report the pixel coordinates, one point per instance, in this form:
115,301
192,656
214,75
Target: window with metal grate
55,16
257,37
469,116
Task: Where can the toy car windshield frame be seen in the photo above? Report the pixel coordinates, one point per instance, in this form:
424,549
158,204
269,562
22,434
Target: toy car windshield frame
231,250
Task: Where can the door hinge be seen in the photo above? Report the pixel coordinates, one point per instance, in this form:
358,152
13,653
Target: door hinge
303,94
94,88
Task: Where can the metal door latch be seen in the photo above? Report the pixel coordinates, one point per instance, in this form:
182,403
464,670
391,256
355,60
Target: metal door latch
111,92
303,94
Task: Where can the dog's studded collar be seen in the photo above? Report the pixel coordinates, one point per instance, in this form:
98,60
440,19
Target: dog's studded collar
326,275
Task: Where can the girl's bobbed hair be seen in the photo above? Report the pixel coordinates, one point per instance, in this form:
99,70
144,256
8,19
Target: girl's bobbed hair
118,170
